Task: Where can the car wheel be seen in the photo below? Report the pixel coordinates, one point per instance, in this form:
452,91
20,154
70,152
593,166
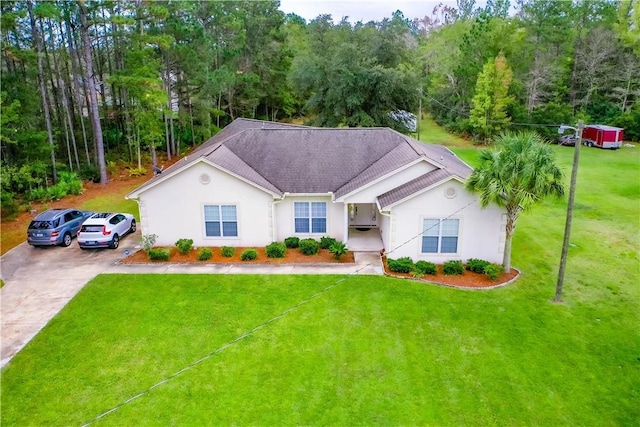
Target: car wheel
133,226
115,242
66,239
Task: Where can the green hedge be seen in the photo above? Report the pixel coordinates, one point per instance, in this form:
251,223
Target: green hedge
309,246
276,250
401,265
249,255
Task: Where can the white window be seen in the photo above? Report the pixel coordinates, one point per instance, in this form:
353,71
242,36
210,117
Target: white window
310,217
440,236
220,221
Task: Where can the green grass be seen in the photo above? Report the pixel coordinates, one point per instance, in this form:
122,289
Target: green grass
371,350
431,132
112,203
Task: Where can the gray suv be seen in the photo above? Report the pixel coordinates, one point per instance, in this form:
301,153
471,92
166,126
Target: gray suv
56,227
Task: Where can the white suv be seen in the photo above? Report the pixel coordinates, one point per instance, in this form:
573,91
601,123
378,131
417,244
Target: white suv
105,229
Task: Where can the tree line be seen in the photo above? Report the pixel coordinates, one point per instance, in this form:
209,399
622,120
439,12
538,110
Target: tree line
88,85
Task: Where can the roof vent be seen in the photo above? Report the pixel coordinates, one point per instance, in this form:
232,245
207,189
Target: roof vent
205,179
450,192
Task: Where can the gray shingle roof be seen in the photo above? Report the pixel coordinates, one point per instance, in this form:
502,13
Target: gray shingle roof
284,158
412,187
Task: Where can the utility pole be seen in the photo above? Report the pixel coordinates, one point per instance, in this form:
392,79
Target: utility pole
419,111
572,193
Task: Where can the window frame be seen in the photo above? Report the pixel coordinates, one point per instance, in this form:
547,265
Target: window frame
220,221
310,217
441,235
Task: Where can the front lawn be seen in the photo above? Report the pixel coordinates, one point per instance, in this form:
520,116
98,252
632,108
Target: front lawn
370,350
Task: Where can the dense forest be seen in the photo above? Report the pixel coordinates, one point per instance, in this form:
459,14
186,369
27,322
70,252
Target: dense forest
87,86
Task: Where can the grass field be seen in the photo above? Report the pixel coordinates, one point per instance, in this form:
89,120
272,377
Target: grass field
370,350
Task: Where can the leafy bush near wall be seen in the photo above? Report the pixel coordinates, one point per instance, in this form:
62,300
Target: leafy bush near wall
476,265
184,246
204,254
401,265
276,250
158,254
453,268
292,242
493,271
309,246
326,242
426,267
249,255
338,249
228,251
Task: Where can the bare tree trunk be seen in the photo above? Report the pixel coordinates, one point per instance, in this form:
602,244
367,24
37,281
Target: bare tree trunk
138,147
193,129
166,135
95,117
509,230
67,113
43,89
76,97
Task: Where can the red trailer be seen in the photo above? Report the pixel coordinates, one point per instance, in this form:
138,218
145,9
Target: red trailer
602,136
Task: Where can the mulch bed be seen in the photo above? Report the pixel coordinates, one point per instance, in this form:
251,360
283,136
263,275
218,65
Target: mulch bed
293,256
468,280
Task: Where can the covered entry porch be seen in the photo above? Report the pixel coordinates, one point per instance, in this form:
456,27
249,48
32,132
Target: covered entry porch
361,227
362,240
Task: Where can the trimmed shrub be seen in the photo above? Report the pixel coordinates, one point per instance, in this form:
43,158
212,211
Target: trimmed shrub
276,250
158,254
184,246
426,267
401,265
476,265
249,255
453,268
204,254
326,242
309,246
493,271
228,251
338,249
292,242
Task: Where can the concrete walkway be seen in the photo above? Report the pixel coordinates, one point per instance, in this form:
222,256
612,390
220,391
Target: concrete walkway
39,282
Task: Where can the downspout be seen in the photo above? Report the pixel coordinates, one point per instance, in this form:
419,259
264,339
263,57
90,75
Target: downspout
273,218
388,215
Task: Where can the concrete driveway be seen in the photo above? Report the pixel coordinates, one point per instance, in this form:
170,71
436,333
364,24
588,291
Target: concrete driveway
39,281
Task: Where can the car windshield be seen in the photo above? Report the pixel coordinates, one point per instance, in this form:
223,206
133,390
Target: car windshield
91,228
41,225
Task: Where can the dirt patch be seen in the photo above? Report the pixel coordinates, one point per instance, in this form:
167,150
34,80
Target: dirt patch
469,279
293,256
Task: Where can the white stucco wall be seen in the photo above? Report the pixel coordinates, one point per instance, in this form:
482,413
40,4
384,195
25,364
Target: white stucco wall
481,231
174,209
384,225
284,215
369,194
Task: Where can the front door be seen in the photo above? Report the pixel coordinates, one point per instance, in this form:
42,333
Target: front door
363,215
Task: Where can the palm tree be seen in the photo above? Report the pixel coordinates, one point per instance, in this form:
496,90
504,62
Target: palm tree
518,174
